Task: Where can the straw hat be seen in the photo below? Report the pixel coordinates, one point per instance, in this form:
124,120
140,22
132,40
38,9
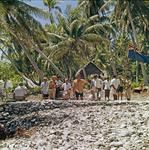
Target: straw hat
45,78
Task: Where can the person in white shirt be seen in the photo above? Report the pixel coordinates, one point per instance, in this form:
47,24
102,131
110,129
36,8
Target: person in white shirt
20,92
45,88
67,89
107,88
114,85
92,86
99,86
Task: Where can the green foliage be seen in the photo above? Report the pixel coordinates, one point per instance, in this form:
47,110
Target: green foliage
7,72
135,84
35,91
83,34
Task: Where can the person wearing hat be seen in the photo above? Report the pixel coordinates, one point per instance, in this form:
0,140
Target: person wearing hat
45,88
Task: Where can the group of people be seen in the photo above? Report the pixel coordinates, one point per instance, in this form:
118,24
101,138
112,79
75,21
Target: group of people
98,87
104,87
56,88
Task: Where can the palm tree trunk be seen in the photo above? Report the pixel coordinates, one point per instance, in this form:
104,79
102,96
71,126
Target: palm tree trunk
70,72
113,68
34,64
37,48
112,62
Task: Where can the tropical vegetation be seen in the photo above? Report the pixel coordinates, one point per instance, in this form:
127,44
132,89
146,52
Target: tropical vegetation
96,30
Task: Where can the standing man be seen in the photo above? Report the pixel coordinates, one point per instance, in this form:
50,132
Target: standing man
107,88
66,89
120,88
92,86
58,87
78,86
45,88
99,86
114,85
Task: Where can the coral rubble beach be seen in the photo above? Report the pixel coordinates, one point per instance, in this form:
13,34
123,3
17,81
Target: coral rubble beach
77,125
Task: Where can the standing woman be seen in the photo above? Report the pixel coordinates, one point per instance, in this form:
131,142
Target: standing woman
52,87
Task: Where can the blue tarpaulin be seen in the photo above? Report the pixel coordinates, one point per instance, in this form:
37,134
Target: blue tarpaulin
137,56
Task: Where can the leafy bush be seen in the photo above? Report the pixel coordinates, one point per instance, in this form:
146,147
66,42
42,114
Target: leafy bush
135,85
34,91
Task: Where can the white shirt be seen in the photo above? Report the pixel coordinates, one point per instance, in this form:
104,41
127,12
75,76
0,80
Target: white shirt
98,83
115,82
107,85
20,91
66,86
59,83
93,83
44,87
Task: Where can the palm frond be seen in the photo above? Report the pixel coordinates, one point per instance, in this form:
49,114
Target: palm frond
94,38
73,28
55,38
32,10
95,28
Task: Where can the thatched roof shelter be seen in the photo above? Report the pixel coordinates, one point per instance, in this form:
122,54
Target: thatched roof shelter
89,69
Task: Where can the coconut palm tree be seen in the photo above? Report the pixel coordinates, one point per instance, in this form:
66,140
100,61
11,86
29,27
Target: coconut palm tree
17,20
79,34
131,15
22,59
52,5
75,40
91,6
